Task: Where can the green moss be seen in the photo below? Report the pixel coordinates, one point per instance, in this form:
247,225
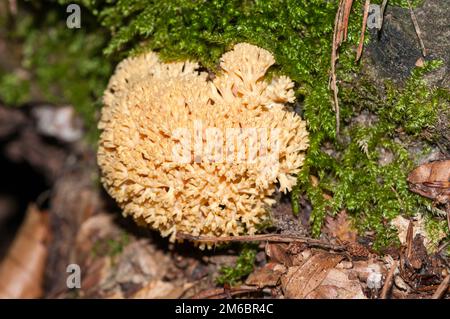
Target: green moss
13,89
110,247
436,229
373,191
404,3
243,267
63,66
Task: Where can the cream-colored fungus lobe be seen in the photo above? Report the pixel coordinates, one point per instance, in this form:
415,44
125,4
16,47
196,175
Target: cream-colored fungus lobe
147,101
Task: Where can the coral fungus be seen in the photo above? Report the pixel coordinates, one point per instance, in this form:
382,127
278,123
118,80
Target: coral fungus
184,151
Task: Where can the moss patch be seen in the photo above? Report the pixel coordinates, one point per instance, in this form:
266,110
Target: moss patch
243,267
61,65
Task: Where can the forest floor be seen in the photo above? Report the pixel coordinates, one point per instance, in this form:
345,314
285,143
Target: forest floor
75,222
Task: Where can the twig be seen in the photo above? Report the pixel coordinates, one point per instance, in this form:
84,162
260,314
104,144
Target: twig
383,7
334,57
339,35
264,237
442,246
409,240
347,9
398,197
363,30
417,29
389,281
442,289
447,208
337,40
427,288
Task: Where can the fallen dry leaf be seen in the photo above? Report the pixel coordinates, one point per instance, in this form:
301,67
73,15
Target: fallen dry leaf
340,227
370,272
300,281
432,180
159,290
118,265
278,253
337,285
267,276
22,270
401,224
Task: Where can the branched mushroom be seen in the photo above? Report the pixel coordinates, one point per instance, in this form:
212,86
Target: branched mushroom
155,112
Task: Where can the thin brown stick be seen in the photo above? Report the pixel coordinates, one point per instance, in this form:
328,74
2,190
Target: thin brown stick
383,7
427,288
337,40
363,30
347,9
442,289
448,215
441,247
263,237
389,281
417,29
409,240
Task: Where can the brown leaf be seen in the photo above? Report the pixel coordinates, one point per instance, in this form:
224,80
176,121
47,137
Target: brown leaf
118,265
278,253
267,276
337,285
300,281
401,224
340,227
370,272
356,249
159,289
432,180
418,254
22,270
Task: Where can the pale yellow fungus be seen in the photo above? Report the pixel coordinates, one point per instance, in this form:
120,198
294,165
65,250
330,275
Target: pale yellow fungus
146,104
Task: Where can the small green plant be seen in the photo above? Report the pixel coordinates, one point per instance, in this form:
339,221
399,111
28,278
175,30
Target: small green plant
244,266
110,247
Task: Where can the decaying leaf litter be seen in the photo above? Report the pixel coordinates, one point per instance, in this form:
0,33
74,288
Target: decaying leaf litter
124,261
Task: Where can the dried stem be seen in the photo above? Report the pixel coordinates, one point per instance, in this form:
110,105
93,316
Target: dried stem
334,57
363,30
383,7
347,9
448,215
264,237
389,281
417,29
409,240
442,289
339,35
